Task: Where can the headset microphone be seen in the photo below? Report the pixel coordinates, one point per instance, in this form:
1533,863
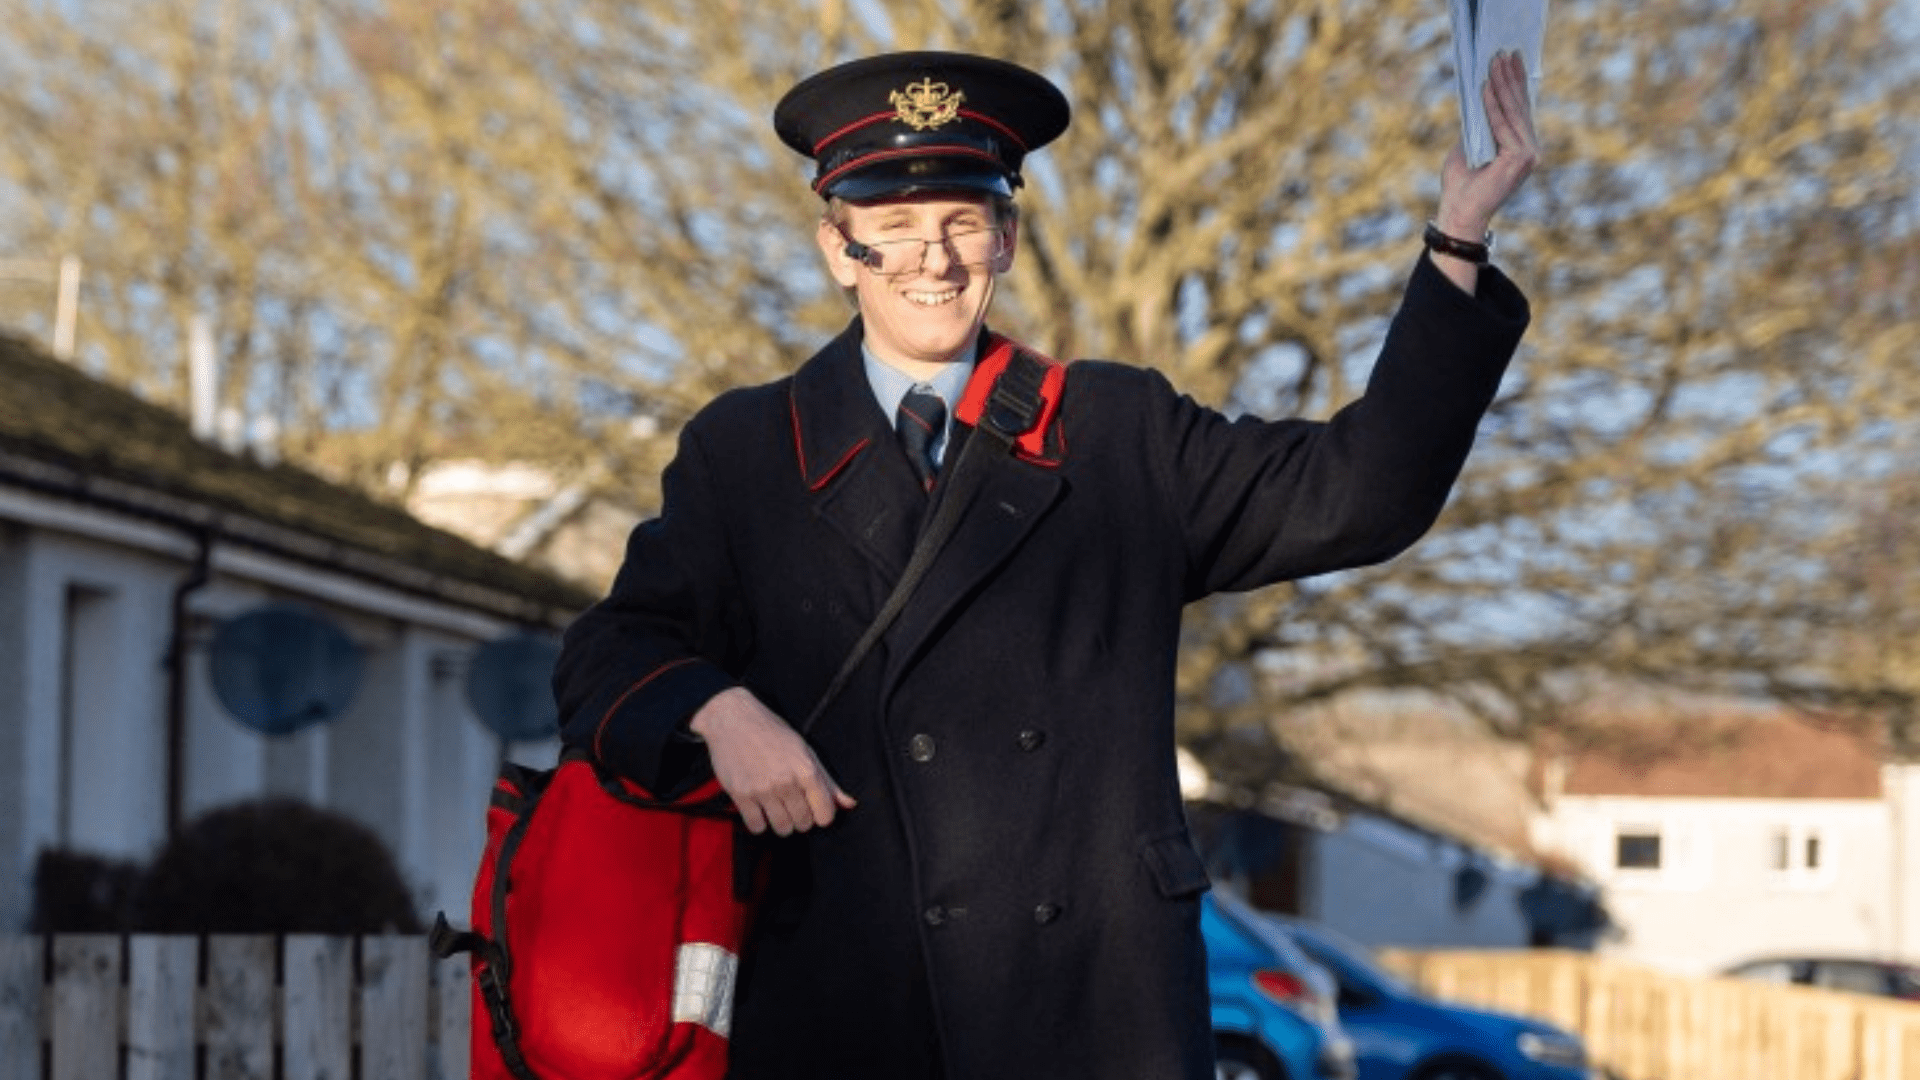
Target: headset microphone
862,254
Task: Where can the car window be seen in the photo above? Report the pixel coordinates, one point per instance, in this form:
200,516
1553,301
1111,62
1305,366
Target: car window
1351,962
1906,983
1767,971
1859,978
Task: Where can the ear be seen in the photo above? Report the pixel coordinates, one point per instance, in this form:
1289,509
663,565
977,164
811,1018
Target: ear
1005,262
833,247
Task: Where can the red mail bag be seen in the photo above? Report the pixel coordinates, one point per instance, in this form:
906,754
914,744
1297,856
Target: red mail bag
606,930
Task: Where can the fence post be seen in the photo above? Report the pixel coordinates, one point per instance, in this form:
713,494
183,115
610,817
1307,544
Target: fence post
393,1008
238,1025
163,977
21,979
452,1027
86,1006
319,996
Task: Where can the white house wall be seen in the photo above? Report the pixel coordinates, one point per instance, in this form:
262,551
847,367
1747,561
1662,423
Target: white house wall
1901,785
89,730
13,721
409,759
1382,883
1716,900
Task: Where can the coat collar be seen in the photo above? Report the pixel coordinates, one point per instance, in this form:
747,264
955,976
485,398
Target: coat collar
835,418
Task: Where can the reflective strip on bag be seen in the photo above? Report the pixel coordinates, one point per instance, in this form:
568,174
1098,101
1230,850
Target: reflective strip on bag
703,975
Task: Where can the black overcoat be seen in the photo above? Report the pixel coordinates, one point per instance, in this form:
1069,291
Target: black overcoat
1016,894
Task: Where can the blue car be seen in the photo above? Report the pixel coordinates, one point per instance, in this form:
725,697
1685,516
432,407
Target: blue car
1274,1014
1400,1034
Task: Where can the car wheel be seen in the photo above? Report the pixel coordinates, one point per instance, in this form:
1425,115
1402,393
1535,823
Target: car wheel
1239,1058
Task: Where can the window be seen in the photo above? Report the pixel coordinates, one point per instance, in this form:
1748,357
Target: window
1637,849
1799,856
89,718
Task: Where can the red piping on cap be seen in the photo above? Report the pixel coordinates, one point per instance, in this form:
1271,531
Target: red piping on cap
915,151
880,117
855,126
997,126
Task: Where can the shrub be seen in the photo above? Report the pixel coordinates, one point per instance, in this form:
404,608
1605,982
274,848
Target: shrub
78,893
274,866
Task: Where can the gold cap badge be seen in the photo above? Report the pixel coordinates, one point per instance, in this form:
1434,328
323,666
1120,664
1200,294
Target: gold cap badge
926,104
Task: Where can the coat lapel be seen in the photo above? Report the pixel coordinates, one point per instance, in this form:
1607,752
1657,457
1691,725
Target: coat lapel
1012,497
867,492
847,456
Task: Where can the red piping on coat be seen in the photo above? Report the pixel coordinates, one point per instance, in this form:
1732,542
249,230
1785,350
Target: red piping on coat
629,692
800,451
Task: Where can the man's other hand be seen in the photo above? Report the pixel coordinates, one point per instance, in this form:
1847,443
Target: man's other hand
766,767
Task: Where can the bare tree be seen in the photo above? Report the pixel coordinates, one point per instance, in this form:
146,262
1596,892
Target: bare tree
427,228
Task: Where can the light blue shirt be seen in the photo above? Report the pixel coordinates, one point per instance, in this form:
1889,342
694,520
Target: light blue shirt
890,384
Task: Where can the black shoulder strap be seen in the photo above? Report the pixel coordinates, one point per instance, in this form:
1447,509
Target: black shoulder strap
1011,412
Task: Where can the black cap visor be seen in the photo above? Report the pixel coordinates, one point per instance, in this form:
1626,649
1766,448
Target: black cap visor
913,175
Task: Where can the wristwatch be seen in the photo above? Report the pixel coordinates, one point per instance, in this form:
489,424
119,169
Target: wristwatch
1476,253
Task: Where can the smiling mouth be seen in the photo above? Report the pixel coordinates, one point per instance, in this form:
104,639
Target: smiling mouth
933,299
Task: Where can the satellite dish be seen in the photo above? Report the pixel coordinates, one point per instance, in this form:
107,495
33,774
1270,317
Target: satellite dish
280,668
510,686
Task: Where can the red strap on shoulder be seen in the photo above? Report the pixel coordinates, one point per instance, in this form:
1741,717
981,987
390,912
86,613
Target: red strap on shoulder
999,352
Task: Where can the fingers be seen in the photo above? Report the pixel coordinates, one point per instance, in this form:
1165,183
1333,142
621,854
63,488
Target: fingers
795,805
1509,114
796,808
775,780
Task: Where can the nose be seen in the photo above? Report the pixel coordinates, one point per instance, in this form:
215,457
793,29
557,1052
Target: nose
938,256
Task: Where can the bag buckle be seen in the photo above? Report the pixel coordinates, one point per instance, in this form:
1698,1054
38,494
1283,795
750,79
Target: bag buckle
494,993
1015,402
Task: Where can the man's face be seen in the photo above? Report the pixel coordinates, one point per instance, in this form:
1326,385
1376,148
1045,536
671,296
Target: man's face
930,314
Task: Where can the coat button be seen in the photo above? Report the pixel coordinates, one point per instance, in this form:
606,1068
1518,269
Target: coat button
1031,740
1046,913
935,915
920,748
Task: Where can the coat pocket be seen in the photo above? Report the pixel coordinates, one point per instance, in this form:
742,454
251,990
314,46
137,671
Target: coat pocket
1177,869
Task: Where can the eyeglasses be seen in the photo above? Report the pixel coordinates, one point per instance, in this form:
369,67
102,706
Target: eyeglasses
900,258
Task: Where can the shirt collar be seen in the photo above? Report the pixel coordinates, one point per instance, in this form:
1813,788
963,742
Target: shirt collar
890,384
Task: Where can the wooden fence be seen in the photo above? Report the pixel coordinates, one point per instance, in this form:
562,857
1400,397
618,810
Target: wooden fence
299,1007
1644,1025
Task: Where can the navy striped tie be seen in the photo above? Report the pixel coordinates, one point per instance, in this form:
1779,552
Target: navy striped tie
922,416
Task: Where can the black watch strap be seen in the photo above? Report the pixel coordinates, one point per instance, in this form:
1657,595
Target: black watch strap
1473,252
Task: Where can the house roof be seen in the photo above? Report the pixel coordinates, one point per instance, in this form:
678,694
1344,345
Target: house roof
1768,756
66,434
1421,761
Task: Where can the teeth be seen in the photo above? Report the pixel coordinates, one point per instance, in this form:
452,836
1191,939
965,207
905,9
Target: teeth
933,299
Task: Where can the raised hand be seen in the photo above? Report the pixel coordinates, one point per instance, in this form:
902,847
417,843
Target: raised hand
1470,197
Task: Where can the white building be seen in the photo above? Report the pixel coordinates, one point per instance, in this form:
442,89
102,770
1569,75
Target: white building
124,541
1386,876
1776,837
